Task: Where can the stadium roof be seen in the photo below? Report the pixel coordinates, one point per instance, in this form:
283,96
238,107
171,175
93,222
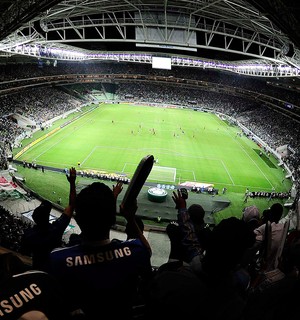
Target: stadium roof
244,36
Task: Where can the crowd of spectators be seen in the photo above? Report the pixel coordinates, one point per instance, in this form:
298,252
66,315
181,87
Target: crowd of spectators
41,104
13,72
12,229
260,119
241,269
38,104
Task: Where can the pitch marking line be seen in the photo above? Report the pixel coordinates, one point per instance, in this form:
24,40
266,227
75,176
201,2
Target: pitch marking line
243,149
227,172
53,145
167,152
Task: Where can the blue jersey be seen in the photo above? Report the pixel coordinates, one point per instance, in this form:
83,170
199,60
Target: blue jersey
101,277
30,293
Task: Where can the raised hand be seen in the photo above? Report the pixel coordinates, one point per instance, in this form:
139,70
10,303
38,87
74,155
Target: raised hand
117,189
180,202
72,175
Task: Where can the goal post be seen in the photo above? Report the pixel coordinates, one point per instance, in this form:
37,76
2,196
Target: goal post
163,174
167,174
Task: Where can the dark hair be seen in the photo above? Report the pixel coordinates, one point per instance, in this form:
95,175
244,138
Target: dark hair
41,213
95,208
196,213
266,216
228,242
276,212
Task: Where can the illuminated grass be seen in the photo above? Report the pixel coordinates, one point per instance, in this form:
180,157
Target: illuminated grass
200,146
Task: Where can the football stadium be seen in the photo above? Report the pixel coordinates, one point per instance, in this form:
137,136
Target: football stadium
192,148
189,109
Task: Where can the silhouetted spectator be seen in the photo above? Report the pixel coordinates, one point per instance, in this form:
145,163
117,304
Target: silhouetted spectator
195,216
29,294
251,216
38,241
274,238
265,216
101,275
183,291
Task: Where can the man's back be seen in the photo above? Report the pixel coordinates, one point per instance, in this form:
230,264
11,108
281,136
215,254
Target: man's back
102,278
30,293
101,275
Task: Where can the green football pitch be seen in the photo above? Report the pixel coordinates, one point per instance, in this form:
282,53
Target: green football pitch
189,146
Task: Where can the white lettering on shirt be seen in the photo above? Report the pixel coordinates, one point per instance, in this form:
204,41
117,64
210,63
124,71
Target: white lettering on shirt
98,257
19,299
